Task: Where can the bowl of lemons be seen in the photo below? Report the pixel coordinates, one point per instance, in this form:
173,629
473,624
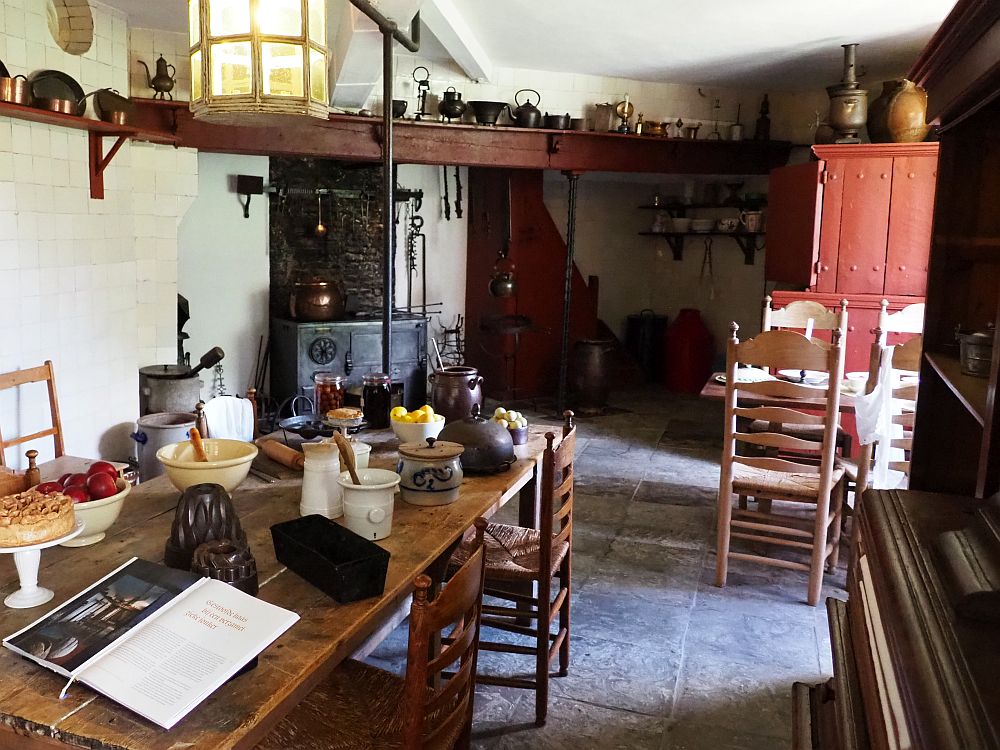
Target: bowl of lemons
515,422
417,425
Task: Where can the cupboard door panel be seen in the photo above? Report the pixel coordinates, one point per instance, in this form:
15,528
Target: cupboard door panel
910,215
864,226
829,242
793,222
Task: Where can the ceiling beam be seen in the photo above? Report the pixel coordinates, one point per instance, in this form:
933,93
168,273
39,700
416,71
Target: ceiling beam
445,22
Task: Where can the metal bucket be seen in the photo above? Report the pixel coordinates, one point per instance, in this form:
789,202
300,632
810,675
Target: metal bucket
154,431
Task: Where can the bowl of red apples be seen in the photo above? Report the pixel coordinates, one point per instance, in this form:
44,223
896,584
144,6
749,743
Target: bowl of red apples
97,497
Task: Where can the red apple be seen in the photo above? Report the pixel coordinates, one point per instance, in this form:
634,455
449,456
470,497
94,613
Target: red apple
102,467
63,479
100,486
78,493
47,488
75,479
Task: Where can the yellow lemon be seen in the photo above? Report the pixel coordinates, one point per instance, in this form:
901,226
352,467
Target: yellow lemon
426,409
425,418
407,419
397,412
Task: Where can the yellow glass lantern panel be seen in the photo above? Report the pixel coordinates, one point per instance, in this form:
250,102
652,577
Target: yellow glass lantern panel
279,18
317,21
282,65
317,75
194,22
229,17
196,84
232,69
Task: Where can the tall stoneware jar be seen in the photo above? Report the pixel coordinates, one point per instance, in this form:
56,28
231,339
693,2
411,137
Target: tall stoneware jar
899,114
454,391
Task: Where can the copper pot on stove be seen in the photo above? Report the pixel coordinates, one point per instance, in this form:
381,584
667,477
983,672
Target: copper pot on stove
316,302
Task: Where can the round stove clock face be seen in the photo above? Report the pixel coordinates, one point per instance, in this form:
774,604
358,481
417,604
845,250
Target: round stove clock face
322,351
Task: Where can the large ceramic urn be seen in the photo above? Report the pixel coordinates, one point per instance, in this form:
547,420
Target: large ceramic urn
899,114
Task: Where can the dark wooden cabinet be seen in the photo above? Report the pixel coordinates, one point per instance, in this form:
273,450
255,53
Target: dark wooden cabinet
855,221
957,435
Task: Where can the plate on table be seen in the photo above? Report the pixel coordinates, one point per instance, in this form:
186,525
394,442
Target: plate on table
748,375
807,377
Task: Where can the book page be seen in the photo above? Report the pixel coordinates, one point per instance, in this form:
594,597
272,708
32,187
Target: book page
165,668
75,632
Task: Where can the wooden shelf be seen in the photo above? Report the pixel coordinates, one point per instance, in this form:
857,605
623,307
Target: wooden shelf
356,138
746,240
970,390
97,130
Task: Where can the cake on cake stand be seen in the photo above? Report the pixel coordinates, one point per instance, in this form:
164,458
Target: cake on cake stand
26,559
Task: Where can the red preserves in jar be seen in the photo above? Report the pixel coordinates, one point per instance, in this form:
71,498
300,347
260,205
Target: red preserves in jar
329,391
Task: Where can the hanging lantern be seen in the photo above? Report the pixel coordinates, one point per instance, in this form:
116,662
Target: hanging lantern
258,57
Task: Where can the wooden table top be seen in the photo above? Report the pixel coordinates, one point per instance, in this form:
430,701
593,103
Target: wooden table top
241,712
713,390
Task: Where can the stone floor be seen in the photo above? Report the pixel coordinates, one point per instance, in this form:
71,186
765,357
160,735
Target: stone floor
661,658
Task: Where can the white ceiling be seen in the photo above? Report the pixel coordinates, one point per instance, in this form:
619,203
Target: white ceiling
778,44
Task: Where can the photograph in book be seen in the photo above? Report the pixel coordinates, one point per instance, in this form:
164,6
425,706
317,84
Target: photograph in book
89,623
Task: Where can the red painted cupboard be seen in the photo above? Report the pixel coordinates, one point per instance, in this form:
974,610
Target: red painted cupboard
855,223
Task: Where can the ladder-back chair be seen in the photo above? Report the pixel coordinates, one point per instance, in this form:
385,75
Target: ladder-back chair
517,555
909,319
805,474
361,707
41,374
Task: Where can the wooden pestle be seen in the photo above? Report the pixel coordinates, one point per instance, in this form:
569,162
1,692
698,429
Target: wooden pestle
347,453
199,448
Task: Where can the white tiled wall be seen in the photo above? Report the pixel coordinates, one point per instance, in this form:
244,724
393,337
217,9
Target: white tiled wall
89,284
147,45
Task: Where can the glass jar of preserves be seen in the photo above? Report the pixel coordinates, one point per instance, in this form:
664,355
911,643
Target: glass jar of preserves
329,391
376,399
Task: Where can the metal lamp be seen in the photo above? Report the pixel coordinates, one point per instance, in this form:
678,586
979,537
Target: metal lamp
258,57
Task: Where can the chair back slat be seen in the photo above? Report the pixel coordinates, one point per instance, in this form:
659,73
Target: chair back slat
797,314
777,440
776,464
910,319
779,415
782,389
433,715
43,373
783,350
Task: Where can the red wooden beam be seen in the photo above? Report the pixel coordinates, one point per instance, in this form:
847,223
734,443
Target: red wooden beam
359,139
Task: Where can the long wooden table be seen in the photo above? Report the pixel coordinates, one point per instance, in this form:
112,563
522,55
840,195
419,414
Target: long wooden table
241,712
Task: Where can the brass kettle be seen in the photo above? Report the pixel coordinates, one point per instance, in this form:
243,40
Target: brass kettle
163,82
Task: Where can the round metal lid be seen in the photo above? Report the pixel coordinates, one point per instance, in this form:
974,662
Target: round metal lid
174,372
431,449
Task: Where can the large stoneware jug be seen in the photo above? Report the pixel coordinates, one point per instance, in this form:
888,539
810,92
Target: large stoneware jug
455,390
899,114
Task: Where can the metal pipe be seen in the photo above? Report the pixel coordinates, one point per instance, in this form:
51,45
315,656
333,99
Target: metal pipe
573,178
389,31
388,204
388,26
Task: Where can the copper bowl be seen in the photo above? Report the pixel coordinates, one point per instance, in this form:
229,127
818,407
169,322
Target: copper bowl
15,90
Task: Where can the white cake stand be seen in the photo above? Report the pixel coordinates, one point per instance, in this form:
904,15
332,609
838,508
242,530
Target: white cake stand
26,559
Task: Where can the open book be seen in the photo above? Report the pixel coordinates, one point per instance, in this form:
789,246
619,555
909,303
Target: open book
157,640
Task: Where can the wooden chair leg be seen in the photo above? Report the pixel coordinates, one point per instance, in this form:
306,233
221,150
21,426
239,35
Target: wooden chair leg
565,579
722,538
818,557
542,652
840,492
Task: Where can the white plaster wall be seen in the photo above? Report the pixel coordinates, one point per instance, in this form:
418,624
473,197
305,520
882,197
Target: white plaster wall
147,45
446,244
639,272
88,284
223,268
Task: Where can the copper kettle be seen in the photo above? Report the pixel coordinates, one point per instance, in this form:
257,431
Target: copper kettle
163,82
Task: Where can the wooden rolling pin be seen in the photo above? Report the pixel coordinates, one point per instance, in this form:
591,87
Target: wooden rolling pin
282,454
